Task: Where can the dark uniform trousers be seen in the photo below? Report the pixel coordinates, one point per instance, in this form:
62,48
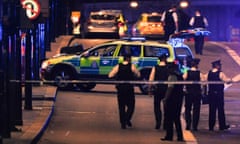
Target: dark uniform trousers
199,42
173,107
172,117
216,101
193,100
161,74
126,103
192,103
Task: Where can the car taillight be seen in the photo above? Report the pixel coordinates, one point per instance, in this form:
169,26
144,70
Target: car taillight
143,24
120,24
89,22
176,62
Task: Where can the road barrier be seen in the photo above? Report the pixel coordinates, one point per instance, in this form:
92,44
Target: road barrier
124,82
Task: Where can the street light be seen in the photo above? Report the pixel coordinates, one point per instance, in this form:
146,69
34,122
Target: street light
184,3
133,4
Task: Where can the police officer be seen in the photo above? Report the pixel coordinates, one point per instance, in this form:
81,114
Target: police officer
193,95
159,73
216,96
170,20
198,21
173,104
125,71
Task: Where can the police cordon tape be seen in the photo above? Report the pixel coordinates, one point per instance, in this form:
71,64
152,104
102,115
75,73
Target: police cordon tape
123,82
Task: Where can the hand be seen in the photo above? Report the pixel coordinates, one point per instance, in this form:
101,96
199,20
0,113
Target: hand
229,82
176,31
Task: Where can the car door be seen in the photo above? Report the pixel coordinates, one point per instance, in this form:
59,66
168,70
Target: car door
133,49
183,55
98,62
151,54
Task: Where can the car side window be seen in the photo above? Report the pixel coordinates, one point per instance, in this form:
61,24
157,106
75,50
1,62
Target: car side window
152,51
107,50
134,50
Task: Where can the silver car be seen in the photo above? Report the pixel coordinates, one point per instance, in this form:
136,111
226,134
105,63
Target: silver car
104,22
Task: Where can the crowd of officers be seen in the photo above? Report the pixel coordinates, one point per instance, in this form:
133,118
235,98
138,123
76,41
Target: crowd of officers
172,96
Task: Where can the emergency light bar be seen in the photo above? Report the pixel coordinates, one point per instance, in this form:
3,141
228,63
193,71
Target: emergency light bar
189,33
134,38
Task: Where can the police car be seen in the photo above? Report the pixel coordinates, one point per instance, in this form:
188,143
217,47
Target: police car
95,63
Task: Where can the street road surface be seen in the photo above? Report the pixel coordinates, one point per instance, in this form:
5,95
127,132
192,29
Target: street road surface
92,117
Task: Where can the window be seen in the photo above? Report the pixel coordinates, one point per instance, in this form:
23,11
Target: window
151,51
154,18
106,50
134,50
103,17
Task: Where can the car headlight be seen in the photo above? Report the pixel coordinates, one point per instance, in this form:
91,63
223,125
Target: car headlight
45,64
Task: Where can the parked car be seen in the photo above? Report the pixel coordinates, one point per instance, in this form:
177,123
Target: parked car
149,25
96,62
105,22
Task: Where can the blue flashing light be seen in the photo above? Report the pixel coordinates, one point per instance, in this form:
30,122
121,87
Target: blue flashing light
1,31
176,41
204,33
134,38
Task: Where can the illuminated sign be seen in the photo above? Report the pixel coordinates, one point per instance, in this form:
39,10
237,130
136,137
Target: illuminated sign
75,17
32,8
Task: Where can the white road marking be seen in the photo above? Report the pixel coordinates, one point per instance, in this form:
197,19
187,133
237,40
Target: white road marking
67,133
234,56
187,135
231,52
80,112
236,78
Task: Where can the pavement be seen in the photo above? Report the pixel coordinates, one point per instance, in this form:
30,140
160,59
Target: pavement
35,121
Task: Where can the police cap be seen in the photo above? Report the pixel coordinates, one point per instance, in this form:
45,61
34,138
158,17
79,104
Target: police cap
195,61
163,57
126,56
217,62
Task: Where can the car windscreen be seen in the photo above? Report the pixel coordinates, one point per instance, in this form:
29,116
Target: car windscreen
103,17
154,18
155,51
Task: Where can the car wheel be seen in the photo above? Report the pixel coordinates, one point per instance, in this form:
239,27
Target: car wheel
86,86
61,75
144,77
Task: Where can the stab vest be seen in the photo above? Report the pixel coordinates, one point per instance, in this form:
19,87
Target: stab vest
161,74
214,76
198,22
169,21
125,72
193,76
